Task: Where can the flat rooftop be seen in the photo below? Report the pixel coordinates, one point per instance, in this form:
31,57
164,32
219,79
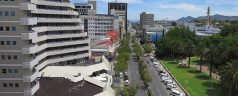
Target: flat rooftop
63,87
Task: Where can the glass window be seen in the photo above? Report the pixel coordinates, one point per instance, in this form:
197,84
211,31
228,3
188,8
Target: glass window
16,85
15,71
4,84
8,43
1,13
10,84
6,13
1,28
7,28
13,13
3,57
15,57
2,42
9,70
13,28
9,57
14,43
4,70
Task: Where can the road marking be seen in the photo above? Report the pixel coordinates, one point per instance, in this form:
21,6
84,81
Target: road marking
158,91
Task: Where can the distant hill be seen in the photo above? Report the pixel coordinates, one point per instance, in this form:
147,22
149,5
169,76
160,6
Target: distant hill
214,17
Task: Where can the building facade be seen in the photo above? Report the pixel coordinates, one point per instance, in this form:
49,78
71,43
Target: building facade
98,25
86,8
35,34
119,9
146,19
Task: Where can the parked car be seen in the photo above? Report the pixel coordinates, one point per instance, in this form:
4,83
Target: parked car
175,92
127,82
164,78
167,81
171,85
121,75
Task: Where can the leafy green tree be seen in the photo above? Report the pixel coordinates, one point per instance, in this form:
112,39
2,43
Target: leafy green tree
229,78
147,48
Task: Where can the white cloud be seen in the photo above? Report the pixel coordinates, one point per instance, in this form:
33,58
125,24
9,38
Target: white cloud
124,1
182,6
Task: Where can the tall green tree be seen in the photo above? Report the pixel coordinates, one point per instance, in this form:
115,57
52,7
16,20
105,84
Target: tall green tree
229,78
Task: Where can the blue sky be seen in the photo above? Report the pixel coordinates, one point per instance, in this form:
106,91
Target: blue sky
172,9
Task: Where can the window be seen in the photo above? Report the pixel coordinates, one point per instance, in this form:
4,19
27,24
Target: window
9,70
10,84
16,85
13,28
4,70
14,43
4,84
1,13
3,57
8,43
9,57
15,71
1,28
2,42
6,13
15,57
7,28
13,13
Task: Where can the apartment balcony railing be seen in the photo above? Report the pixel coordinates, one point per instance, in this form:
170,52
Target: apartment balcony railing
32,91
62,12
32,77
28,36
52,3
27,6
63,58
53,28
45,20
28,21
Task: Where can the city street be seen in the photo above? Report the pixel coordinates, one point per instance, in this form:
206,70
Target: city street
157,87
134,75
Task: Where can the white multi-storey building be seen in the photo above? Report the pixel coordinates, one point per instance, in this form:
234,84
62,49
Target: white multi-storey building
85,8
98,24
35,34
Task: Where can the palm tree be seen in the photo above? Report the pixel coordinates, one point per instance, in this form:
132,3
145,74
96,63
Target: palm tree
229,78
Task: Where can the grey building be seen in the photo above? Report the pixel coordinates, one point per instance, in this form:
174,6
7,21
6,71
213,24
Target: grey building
146,19
35,34
119,9
86,8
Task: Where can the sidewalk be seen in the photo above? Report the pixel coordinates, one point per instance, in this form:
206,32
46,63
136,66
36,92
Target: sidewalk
205,69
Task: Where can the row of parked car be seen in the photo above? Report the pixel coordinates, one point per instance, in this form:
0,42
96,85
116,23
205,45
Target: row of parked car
166,78
124,76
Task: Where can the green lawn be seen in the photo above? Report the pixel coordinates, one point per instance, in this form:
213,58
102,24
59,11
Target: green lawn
196,83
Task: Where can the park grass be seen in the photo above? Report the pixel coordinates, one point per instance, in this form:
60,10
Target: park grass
195,82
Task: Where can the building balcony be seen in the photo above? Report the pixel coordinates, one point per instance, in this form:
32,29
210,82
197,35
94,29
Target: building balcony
60,12
63,20
49,28
28,21
64,58
52,3
45,37
28,36
31,77
27,6
32,91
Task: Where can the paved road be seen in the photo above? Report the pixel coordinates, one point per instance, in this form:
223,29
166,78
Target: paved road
157,87
134,75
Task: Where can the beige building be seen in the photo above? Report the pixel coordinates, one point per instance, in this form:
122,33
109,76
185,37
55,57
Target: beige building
146,19
35,34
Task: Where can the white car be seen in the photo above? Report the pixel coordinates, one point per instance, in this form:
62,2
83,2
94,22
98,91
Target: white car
164,78
127,82
167,81
171,85
175,92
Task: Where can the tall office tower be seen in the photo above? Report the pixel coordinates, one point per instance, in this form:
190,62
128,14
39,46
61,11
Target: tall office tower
146,19
35,34
119,9
86,8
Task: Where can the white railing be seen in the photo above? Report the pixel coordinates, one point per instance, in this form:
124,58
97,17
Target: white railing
32,91
27,6
48,28
51,3
63,12
28,36
28,21
59,20
32,77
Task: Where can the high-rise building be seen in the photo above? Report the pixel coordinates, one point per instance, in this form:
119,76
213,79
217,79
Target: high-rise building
35,34
119,9
146,19
86,8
